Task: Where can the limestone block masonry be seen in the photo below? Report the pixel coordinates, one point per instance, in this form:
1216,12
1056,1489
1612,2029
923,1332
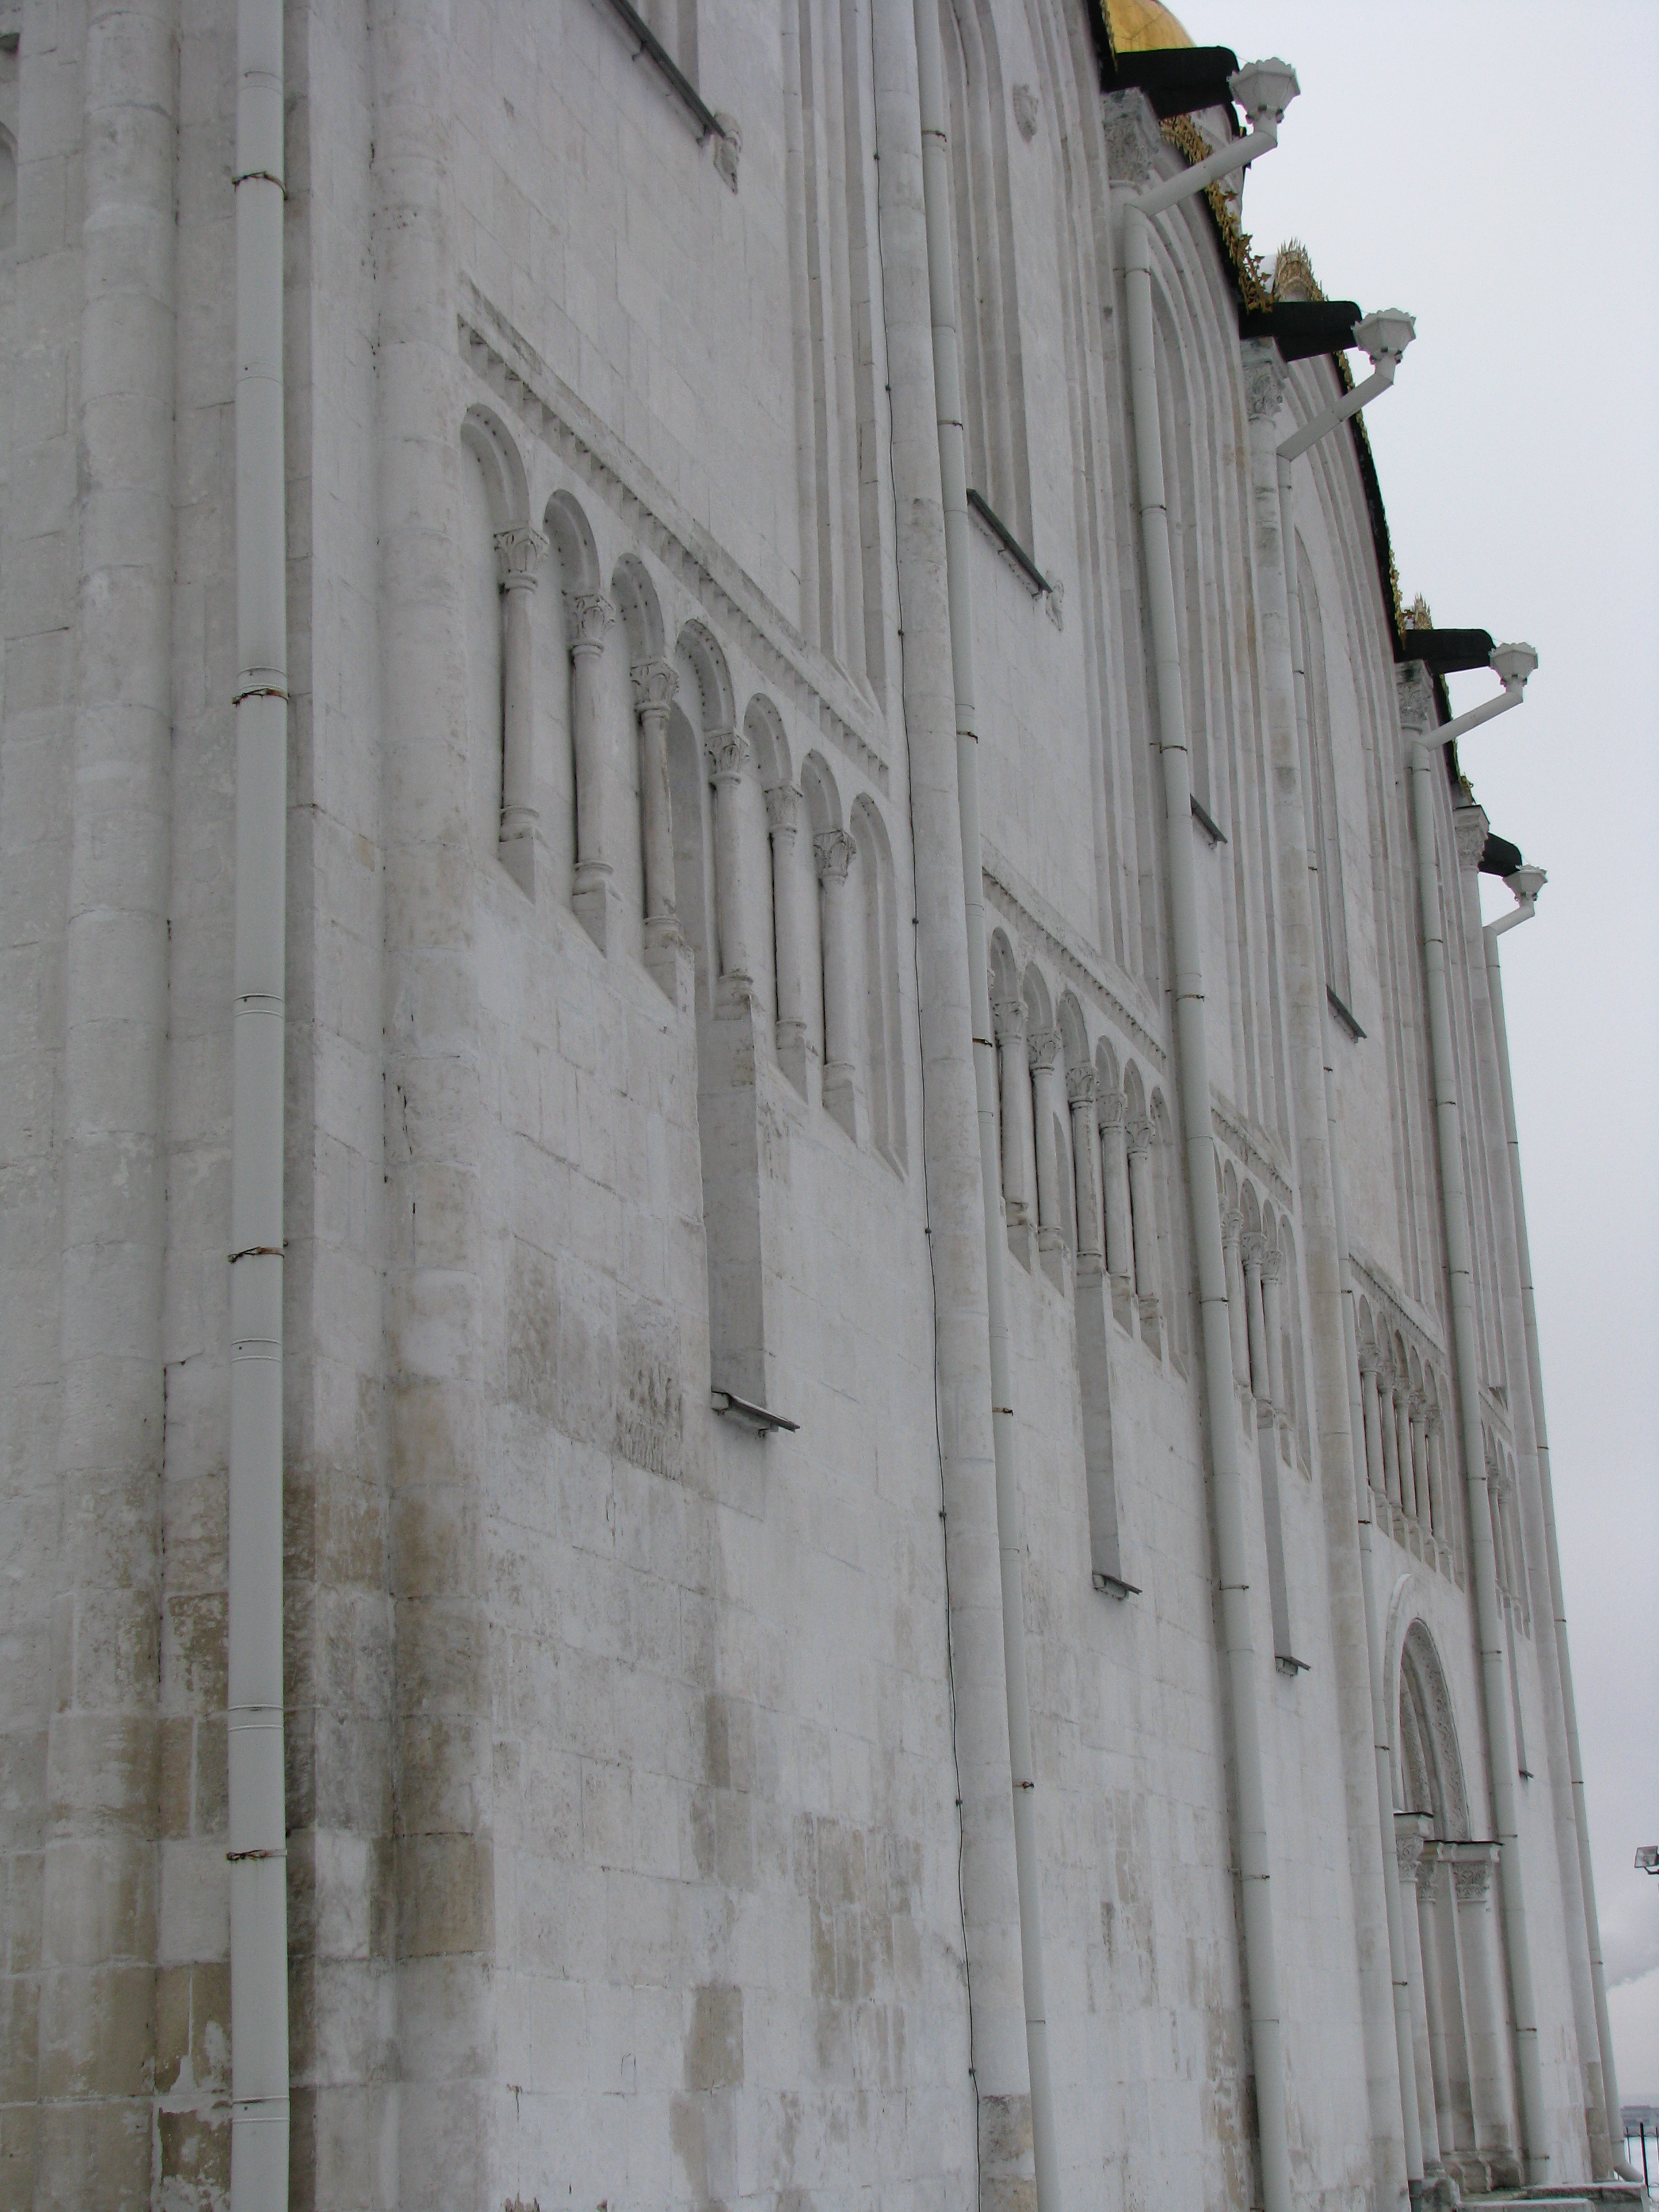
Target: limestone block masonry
701,1684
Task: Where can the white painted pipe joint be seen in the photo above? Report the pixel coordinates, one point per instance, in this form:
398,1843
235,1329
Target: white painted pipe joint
1526,884
1513,665
1264,90
1383,337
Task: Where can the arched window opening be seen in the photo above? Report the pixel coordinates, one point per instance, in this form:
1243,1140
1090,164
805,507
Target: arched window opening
579,818
883,1038
1327,827
993,388
1143,1210
1454,1964
1171,1227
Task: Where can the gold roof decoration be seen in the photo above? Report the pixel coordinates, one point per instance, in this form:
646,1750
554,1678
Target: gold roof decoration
1140,26
1417,616
1190,141
1293,273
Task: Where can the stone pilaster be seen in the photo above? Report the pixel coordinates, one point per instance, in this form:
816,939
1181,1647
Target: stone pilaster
729,754
655,682
794,1049
843,1071
593,893
1009,1016
1143,1224
518,554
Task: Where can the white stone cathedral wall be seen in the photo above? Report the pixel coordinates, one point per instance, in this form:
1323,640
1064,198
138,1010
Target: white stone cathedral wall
699,1936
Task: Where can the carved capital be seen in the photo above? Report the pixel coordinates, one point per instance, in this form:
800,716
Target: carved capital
728,752
833,849
1139,1135
1254,1246
1109,1108
1134,151
1368,1361
1273,1264
655,682
591,616
1081,1084
1232,1228
1045,1049
1431,1417
1472,1868
1264,379
1009,1016
1471,829
1414,694
1407,1845
519,554
1472,1883
782,801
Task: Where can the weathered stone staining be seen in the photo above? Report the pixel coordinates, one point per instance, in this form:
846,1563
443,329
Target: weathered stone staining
650,1800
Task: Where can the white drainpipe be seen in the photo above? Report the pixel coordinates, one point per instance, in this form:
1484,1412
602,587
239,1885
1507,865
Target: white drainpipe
1514,664
1526,884
1387,360
258,1899
1264,91
953,472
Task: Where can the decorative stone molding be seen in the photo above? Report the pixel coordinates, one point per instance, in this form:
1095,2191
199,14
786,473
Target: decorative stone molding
1043,1046
1039,928
1471,828
1410,1832
1109,1109
728,753
592,616
1081,1084
1265,379
593,896
504,361
1135,151
795,1054
1273,1264
1415,696
655,684
1138,1133
833,851
520,553
1473,1865
1008,1017
728,146
1248,1147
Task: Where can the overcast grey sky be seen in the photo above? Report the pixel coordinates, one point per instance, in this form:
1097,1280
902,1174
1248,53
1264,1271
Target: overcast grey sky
1495,169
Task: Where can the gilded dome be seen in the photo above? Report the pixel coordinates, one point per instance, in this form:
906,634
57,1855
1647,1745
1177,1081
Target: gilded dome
1138,25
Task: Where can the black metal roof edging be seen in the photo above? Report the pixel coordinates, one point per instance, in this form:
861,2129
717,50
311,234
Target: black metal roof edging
1445,652
1302,328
